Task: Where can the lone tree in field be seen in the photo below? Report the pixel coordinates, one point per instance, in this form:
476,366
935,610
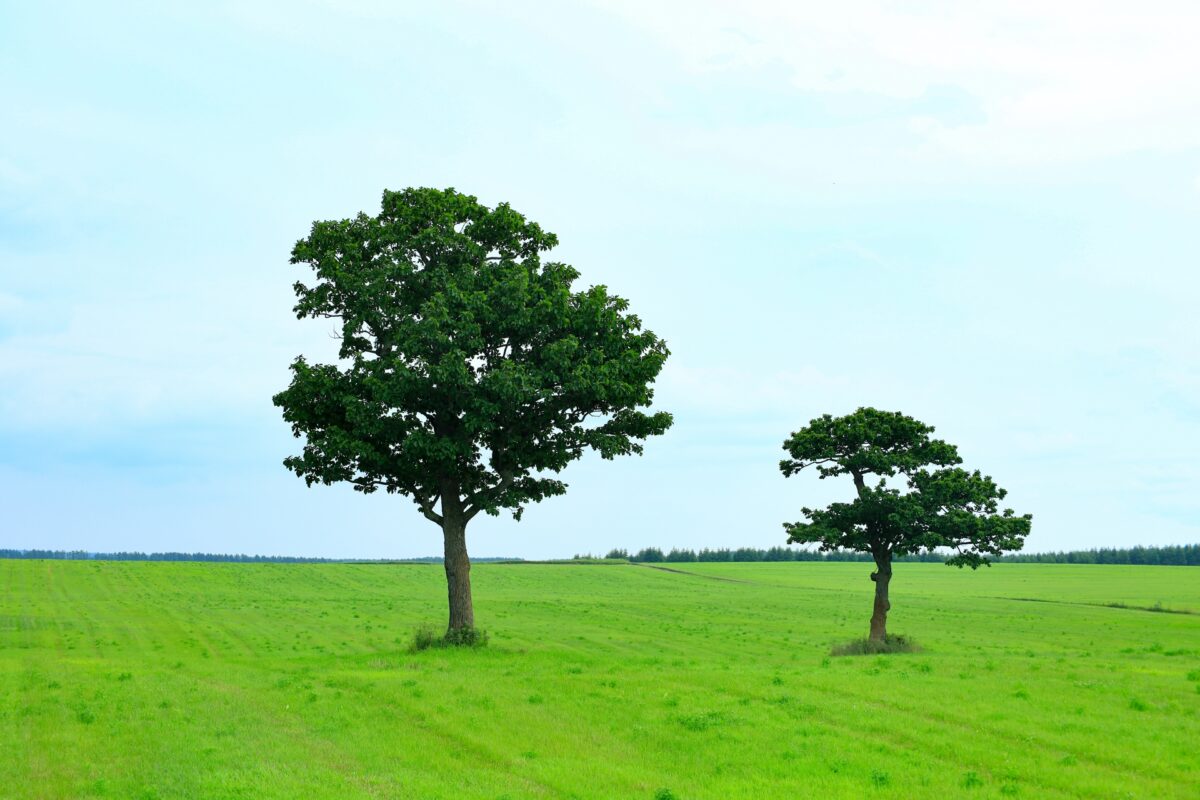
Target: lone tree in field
470,372
942,506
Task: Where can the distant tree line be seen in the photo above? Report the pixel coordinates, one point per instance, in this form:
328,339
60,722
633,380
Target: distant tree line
1170,555
84,555
1180,555
653,555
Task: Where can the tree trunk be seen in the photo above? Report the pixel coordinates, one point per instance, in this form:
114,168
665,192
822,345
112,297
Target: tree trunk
458,572
882,577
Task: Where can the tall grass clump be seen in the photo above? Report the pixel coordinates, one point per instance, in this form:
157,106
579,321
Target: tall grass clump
424,638
872,647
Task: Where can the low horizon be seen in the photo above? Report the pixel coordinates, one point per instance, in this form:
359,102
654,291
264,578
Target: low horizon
574,557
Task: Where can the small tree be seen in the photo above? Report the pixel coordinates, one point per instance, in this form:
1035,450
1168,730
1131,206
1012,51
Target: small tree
470,371
942,506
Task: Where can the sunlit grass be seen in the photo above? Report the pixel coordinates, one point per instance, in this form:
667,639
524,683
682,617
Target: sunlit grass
170,680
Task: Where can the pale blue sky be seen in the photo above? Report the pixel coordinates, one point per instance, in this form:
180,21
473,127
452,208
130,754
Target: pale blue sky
987,219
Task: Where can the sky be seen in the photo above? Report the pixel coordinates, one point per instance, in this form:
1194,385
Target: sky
984,215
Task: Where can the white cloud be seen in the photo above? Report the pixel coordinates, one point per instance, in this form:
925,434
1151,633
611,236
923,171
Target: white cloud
1056,81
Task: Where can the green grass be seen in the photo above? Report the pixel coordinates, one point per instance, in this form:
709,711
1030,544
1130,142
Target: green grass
170,680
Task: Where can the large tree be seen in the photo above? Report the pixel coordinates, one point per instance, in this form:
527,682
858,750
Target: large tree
940,506
470,371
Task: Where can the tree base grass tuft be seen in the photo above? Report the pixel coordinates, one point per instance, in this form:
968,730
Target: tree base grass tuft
424,638
465,637
871,647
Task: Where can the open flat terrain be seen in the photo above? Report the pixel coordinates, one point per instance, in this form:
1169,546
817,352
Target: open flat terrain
208,680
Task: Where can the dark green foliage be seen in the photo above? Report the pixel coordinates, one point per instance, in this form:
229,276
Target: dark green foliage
1187,555
771,554
942,506
874,647
471,372
465,637
469,365
425,638
680,555
867,442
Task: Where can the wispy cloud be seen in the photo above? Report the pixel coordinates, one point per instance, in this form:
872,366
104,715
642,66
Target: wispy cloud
1054,82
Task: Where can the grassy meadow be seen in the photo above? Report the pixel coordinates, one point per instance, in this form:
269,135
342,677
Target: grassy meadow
210,680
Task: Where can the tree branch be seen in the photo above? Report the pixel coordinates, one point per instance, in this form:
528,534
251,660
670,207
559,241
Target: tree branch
859,484
507,479
429,513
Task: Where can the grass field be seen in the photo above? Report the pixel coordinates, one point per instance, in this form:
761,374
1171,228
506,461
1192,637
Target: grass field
176,680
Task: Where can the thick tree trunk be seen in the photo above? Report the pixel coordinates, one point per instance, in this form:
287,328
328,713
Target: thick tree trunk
882,577
458,573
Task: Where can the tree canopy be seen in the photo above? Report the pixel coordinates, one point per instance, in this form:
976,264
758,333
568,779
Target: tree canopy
471,372
938,506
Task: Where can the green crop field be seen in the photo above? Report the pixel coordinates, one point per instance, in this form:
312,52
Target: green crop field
180,680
